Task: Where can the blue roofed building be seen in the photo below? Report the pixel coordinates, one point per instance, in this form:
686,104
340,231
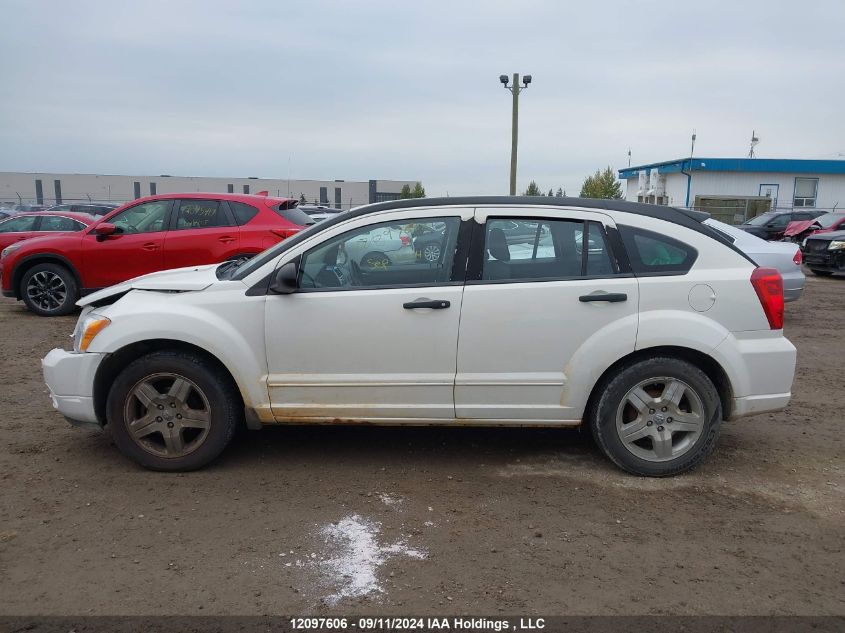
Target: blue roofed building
735,189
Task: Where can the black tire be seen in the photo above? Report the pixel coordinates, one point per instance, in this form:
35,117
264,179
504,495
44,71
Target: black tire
603,417
49,290
224,409
368,261
821,273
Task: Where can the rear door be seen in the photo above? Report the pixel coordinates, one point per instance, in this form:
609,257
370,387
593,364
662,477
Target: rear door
544,297
201,232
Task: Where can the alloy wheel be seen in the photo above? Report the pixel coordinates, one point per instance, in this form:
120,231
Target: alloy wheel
47,290
431,253
167,415
660,419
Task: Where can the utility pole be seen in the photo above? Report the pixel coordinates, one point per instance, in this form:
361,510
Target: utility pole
515,90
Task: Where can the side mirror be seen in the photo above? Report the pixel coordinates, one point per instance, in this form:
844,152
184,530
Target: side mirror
104,229
284,279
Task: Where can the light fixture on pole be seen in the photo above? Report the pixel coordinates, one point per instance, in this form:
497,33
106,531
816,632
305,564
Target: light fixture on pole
515,90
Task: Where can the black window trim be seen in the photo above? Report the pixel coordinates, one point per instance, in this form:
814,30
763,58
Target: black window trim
174,214
475,268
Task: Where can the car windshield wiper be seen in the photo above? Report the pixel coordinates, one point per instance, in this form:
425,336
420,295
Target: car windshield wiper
226,267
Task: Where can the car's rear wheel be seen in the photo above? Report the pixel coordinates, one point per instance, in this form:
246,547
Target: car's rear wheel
821,273
657,417
173,411
431,252
49,290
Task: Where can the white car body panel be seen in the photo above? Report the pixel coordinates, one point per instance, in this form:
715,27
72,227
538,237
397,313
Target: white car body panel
502,353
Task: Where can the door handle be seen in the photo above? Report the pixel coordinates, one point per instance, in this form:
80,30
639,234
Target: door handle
434,304
610,297
150,246
226,239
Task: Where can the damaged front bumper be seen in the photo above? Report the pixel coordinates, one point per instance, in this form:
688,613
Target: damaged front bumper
70,380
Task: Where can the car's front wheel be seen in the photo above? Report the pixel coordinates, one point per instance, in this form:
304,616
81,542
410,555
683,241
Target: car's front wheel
173,411
657,417
49,290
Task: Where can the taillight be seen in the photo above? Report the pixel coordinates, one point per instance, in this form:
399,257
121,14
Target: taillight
768,284
406,240
284,233
798,258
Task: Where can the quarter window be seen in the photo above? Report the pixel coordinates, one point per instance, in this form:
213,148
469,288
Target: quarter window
805,192
524,249
13,225
243,212
652,253
417,252
201,214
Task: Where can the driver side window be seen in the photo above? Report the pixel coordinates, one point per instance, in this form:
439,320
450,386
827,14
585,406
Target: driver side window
398,253
143,218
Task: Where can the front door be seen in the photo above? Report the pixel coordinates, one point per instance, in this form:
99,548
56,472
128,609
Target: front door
134,249
369,338
547,299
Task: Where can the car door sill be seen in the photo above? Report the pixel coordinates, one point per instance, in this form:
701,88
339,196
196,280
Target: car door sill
420,421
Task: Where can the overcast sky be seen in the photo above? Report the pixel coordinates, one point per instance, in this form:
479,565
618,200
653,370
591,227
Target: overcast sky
399,90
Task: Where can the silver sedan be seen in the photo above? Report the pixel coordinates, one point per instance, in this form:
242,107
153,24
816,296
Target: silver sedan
785,256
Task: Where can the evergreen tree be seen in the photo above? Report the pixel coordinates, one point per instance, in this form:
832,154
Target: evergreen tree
602,184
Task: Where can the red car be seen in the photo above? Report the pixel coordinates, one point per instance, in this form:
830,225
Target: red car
146,235
26,225
800,231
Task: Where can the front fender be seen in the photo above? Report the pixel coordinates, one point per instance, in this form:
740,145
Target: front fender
230,329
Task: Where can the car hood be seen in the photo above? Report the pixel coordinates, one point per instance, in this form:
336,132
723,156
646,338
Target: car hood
189,279
798,226
831,235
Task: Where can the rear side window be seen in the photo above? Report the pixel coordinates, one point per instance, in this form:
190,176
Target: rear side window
243,212
18,224
653,253
518,249
201,214
294,215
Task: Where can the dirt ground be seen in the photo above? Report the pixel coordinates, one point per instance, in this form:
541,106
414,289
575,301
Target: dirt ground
296,520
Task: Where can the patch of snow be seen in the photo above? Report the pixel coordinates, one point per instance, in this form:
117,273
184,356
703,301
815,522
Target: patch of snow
390,500
351,569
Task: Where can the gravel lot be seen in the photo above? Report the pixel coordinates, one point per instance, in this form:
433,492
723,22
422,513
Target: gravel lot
295,520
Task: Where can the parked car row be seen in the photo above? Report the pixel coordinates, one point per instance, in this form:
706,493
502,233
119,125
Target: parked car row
51,260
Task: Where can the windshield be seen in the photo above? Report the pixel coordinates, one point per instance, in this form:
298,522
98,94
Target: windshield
829,219
760,220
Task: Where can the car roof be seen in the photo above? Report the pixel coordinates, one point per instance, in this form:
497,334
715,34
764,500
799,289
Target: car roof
250,198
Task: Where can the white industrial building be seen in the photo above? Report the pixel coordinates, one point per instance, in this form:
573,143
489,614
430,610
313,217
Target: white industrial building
735,189
49,188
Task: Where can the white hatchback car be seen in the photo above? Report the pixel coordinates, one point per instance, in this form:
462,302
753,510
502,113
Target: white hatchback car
652,335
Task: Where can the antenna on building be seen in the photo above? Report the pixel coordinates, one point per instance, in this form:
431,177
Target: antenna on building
754,141
692,145
629,157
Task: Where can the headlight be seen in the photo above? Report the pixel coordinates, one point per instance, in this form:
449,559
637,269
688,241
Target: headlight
86,329
9,249
836,245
